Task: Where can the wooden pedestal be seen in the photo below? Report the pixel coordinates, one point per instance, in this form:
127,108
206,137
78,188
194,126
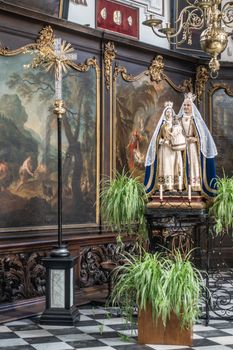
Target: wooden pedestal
152,332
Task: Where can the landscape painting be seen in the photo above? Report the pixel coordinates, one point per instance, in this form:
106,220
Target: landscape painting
138,108
222,125
28,146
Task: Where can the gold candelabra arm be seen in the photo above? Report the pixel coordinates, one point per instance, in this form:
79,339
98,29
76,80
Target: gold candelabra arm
156,33
191,18
154,24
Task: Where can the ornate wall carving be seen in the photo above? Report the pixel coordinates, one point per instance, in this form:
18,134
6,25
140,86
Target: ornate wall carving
22,276
97,262
202,76
109,56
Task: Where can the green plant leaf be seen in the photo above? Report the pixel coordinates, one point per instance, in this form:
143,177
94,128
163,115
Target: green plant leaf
169,284
123,202
222,207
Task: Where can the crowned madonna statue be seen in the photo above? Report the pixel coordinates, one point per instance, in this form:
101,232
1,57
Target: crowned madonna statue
181,154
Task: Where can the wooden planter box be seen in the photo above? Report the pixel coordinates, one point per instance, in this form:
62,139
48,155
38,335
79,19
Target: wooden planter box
152,332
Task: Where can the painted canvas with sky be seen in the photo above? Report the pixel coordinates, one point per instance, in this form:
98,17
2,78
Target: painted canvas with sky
222,125
139,106
28,146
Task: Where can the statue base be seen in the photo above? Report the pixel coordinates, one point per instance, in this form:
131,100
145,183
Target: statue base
179,200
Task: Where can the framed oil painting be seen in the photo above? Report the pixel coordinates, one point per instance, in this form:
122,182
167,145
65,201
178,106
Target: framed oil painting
57,8
137,109
28,146
221,122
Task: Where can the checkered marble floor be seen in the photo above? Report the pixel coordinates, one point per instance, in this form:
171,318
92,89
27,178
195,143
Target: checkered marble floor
103,329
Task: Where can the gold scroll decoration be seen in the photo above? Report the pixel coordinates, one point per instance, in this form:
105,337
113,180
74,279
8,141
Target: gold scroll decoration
46,37
109,56
202,76
156,73
156,69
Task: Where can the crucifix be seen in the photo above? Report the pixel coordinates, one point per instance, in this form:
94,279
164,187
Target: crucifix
61,59
60,62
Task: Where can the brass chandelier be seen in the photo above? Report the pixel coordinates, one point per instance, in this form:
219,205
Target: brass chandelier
208,15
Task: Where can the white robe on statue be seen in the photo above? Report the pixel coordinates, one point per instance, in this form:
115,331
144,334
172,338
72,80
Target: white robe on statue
192,152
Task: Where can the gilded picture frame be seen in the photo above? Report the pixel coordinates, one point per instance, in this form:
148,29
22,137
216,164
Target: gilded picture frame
137,104
28,163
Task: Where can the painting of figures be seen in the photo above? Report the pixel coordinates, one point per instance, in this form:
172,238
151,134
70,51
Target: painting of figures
28,146
139,106
222,121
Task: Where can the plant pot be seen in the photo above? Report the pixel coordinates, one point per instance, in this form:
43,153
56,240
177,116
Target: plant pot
151,331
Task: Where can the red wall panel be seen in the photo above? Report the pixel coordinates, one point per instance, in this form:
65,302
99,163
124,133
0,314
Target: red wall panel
117,17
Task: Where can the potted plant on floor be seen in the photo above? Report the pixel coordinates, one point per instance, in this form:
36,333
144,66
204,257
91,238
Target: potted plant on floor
222,207
167,290
123,201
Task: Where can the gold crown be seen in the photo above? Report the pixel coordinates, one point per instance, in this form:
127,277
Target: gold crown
168,104
190,96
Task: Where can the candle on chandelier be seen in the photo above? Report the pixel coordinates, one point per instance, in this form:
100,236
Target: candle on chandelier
189,193
161,192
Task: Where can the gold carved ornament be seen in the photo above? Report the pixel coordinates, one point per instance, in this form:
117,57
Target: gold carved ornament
156,69
46,55
156,74
202,76
48,58
45,39
109,56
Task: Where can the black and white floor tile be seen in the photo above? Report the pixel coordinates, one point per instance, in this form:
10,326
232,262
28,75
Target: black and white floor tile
103,329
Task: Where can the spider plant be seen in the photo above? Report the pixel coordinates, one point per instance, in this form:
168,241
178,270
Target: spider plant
123,204
222,208
168,284
183,287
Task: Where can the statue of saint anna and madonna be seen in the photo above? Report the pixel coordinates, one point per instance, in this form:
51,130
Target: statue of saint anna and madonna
181,154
